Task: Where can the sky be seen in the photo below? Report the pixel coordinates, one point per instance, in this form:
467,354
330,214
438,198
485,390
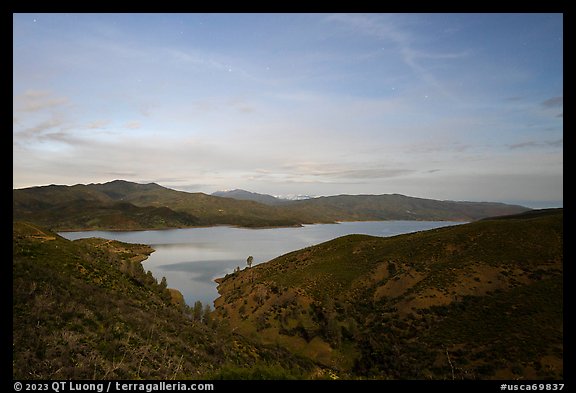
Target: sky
441,106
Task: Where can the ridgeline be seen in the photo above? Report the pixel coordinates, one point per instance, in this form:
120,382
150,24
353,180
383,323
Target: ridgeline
122,205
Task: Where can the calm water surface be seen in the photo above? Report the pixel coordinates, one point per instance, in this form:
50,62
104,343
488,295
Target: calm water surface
192,258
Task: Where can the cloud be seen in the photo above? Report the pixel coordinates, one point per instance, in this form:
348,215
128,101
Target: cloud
241,106
39,129
203,60
437,146
122,174
211,105
375,173
388,31
134,157
537,144
553,102
196,59
329,172
97,124
33,94
189,187
36,100
133,125
165,180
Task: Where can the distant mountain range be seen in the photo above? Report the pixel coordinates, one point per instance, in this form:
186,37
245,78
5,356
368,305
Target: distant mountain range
123,205
244,195
271,200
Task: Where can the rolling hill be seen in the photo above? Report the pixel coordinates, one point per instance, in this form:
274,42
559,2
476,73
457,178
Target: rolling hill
122,205
380,207
482,300
125,205
244,195
399,207
86,309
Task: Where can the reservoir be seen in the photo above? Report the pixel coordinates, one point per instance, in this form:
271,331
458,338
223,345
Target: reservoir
192,258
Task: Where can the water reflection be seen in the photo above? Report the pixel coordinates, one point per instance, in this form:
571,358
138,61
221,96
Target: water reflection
192,258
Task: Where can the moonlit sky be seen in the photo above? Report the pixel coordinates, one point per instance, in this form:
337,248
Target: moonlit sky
442,106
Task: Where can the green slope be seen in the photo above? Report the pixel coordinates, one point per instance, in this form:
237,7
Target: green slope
480,300
95,215
399,207
244,195
87,310
125,205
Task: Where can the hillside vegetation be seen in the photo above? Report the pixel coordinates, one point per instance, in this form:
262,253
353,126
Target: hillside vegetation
122,205
250,196
475,301
86,309
399,207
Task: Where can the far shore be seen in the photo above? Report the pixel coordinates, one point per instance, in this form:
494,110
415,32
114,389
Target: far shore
231,226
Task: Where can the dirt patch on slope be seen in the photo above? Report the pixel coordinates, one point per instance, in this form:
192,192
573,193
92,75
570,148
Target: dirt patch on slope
398,285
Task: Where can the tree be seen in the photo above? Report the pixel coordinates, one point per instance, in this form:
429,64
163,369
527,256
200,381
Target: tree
163,284
249,261
206,314
197,310
392,269
150,278
333,331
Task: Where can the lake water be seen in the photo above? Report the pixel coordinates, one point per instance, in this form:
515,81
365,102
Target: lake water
192,258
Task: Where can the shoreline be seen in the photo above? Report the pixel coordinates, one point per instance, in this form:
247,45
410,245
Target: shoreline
246,227
183,227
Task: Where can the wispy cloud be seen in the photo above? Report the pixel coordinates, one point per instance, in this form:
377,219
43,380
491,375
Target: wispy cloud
553,102
537,144
97,124
39,129
351,171
374,173
36,100
133,125
437,146
212,105
204,60
388,31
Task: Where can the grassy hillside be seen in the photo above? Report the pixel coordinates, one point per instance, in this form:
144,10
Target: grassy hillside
399,207
95,215
474,301
244,195
123,205
86,309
